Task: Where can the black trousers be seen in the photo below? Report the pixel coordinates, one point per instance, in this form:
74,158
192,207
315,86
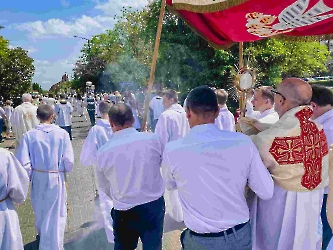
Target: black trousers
144,221
68,129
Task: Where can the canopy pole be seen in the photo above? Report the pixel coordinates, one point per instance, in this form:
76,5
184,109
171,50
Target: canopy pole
241,55
153,65
242,94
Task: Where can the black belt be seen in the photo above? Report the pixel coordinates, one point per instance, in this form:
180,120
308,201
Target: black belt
229,231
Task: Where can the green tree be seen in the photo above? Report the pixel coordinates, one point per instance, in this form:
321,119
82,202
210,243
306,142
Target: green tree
37,87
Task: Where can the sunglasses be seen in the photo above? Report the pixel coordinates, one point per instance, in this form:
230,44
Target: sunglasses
275,92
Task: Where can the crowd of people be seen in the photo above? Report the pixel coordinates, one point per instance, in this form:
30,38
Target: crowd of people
263,189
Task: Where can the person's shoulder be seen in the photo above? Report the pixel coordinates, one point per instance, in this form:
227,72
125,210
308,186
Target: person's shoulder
147,135
4,153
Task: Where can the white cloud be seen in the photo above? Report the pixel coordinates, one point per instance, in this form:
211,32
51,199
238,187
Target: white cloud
58,27
64,3
29,49
113,7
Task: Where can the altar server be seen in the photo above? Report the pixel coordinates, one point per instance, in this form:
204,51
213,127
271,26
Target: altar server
156,105
97,137
210,168
14,184
47,154
322,106
63,111
295,151
23,119
172,125
128,171
225,120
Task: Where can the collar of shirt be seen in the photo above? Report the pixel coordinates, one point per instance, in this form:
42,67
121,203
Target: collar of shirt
176,107
324,117
266,112
103,123
224,109
46,127
124,132
202,128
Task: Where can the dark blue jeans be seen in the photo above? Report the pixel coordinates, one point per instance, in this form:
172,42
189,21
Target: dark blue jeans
144,221
92,117
327,231
1,127
68,129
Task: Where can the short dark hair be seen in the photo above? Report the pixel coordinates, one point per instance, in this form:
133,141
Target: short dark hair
222,96
170,93
266,93
321,95
51,95
104,107
202,100
44,112
62,96
121,114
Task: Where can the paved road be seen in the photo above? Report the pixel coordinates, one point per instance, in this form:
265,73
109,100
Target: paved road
84,227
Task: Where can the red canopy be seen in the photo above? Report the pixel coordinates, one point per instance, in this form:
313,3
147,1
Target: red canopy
256,19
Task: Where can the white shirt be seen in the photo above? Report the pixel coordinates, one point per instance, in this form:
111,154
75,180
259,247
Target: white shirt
225,120
210,168
64,114
156,104
128,168
8,110
172,125
51,102
2,113
269,116
326,120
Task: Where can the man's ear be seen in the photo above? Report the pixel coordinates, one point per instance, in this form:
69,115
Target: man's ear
188,113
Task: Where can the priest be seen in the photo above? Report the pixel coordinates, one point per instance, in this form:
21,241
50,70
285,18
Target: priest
225,120
47,154
97,137
295,152
172,125
23,119
14,186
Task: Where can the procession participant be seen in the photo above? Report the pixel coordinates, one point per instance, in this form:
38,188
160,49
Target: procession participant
35,100
98,102
63,111
23,119
47,154
51,101
225,120
156,105
130,100
8,110
14,184
172,125
97,137
295,151
322,106
128,171
250,112
3,118
91,109
211,180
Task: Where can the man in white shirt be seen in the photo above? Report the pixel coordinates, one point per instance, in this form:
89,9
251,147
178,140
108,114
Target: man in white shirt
23,119
3,118
210,168
172,125
47,154
14,184
97,137
156,104
225,120
250,112
64,110
128,171
51,101
322,106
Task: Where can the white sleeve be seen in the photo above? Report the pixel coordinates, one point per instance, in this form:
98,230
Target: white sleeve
68,154
23,154
89,150
103,182
170,183
162,131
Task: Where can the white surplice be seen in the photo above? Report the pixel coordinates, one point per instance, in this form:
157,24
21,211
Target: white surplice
173,125
269,116
48,148
23,119
97,137
225,120
14,183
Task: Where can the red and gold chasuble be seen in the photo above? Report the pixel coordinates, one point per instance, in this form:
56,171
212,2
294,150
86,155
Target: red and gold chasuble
295,151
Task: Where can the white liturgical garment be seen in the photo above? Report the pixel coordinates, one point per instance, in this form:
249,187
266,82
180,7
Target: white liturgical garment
63,111
23,119
43,149
250,111
172,125
128,168
14,184
225,120
269,116
156,104
210,168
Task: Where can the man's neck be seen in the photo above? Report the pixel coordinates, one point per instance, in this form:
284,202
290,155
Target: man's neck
324,110
266,108
222,106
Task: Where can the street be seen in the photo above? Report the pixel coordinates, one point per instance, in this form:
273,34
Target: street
84,224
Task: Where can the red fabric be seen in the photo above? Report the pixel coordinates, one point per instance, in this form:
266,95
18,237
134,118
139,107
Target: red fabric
308,148
223,27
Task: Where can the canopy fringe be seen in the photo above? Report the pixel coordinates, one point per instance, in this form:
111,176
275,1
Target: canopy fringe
208,8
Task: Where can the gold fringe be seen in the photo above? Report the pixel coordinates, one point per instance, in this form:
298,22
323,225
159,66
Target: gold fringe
317,38
213,45
208,8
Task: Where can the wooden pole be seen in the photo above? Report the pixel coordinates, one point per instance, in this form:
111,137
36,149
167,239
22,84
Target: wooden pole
242,94
240,55
153,65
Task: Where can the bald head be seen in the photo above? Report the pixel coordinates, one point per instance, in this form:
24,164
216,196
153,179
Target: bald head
297,91
26,97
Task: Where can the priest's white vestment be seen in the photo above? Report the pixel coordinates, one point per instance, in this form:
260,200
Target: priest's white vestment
97,137
295,151
14,184
23,119
173,125
47,154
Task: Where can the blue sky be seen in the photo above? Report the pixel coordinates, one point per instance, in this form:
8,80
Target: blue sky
45,28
